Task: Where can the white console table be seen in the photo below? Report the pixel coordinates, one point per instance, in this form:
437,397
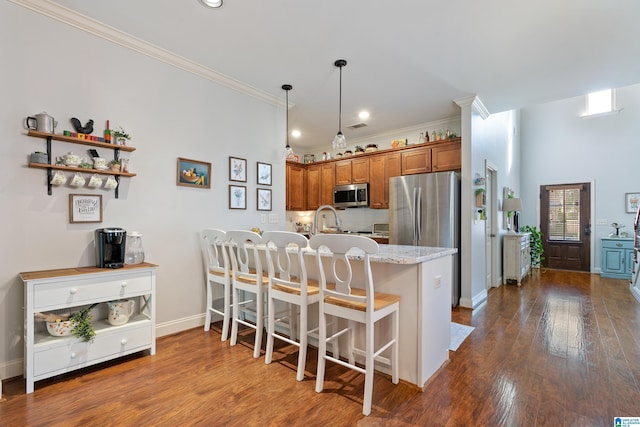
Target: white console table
74,289
516,260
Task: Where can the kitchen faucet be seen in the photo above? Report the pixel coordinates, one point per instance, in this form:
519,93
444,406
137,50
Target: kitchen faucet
335,213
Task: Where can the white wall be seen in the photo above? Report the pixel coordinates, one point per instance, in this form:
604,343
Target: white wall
49,66
559,146
485,138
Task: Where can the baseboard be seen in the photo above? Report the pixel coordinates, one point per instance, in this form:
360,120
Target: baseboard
11,369
179,325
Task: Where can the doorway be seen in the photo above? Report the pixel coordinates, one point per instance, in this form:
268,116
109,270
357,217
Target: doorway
492,269
565,223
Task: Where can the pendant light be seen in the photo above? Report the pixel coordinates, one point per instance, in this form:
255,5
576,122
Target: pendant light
340,141
288,151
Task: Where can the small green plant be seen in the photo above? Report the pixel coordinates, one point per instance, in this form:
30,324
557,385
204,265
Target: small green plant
537,250
82,326
115,162
359,149
120,133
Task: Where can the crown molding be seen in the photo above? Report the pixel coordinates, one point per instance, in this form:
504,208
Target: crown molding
474,102
99,29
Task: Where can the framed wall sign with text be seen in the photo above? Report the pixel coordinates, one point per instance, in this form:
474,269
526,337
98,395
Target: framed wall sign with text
85,208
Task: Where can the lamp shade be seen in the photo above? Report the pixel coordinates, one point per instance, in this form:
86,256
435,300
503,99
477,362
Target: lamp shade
512,205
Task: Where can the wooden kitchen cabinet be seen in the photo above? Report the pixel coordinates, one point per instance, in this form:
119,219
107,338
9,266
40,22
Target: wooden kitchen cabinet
327,183
314,186
446,156
311,185
381,168
343,172
352,171
296,187
73,289
360,170
417,160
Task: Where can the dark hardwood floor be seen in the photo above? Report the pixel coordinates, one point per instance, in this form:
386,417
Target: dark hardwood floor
562,350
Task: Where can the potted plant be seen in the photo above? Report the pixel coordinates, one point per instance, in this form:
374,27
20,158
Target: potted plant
481,197
115,165
81,324
535,244
120,136
359,149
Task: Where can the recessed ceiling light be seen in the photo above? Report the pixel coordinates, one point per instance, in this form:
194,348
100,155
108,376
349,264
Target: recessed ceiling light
363,115
296,133
211,3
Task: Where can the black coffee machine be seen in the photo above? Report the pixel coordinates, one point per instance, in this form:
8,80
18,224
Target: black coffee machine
110,247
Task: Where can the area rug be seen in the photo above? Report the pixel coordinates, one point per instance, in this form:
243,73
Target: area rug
458,334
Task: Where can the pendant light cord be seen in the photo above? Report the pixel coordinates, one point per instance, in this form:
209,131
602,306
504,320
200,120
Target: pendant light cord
286,89
340,105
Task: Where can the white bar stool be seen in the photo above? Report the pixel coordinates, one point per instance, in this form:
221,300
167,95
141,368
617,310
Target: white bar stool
355,305
288,283
247,279
218,272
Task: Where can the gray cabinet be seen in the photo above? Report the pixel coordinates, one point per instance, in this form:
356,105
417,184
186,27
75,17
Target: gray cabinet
617,258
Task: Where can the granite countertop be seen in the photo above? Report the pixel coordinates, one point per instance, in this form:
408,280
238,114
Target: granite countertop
399,254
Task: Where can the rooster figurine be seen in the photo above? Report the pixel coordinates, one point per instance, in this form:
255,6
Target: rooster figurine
87,129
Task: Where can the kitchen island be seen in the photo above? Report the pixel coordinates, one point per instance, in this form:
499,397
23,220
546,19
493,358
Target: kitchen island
422,277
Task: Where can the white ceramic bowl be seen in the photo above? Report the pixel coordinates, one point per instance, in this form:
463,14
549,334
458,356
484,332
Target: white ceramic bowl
59,329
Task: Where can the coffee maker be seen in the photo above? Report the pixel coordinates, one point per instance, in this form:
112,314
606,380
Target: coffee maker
110,247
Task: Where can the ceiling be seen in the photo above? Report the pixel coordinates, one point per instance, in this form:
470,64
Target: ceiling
408,60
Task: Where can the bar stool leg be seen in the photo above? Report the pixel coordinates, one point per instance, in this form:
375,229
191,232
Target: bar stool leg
322,351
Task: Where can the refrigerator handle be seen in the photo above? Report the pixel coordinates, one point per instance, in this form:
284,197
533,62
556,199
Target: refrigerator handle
419,215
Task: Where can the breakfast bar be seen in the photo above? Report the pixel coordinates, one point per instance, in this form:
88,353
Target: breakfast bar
422,277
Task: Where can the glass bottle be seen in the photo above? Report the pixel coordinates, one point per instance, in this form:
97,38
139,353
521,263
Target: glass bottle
134,253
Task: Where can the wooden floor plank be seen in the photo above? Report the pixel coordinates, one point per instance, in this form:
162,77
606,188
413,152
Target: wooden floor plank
561,350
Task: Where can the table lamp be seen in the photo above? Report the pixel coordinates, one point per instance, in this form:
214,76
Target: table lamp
512,205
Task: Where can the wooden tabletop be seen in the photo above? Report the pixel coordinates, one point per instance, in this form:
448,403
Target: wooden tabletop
42,274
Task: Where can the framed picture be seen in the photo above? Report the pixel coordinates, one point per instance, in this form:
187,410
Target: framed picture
237,169
264,173
193,173
264,199
237,197
631,202
85,208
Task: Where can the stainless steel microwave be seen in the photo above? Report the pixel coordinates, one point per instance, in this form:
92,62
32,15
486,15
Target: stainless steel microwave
351,196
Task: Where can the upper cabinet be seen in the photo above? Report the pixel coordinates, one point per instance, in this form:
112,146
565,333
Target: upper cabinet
381,168
296,183
352,171
446,157
310,186
416,160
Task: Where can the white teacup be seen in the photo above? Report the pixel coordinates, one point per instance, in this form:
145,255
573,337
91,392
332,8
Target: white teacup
120,311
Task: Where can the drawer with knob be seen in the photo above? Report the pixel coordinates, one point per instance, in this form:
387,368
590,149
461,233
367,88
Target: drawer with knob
59,356
78,291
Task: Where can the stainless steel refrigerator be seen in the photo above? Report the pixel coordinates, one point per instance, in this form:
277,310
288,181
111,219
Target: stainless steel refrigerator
424,210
